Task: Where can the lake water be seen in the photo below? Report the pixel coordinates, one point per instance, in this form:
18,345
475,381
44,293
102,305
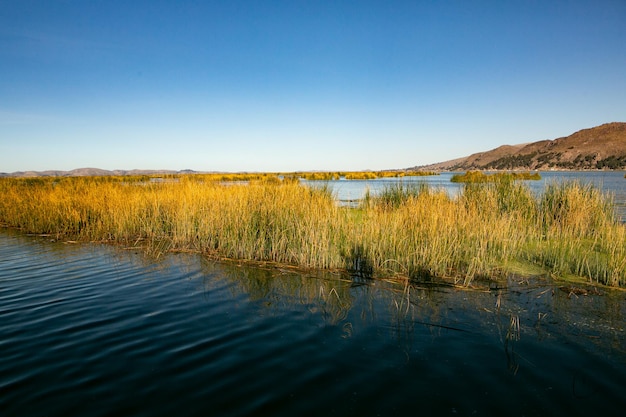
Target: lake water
613,182
93,330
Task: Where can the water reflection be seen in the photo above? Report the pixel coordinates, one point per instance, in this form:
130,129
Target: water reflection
89,324
523,308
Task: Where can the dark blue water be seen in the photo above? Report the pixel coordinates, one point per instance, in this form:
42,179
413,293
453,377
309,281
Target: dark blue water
91,330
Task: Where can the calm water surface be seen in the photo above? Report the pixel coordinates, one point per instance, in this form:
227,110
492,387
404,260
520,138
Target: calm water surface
90,330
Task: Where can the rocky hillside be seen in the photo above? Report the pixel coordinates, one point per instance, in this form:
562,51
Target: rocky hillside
601,147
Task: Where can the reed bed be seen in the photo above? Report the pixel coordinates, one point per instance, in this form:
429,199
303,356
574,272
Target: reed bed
414,232
370,175
357,175
480,177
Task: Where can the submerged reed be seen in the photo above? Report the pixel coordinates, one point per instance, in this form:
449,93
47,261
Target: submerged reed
415,232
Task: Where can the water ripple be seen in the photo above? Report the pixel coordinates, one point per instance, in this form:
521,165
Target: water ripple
91,330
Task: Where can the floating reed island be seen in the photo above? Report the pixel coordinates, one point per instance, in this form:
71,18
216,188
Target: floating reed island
410,232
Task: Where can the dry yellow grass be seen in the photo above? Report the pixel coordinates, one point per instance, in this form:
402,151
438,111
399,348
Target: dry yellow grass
408,232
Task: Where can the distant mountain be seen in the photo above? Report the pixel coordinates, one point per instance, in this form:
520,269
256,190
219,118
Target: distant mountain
90,172
601,147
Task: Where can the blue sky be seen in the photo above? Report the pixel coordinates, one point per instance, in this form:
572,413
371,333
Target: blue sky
299,85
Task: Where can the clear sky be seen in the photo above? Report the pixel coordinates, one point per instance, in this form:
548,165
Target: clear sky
299,85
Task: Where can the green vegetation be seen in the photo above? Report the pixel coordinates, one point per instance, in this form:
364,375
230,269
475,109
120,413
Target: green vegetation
481,177
554,160
394,196
416,232
583,162
512,161
612,162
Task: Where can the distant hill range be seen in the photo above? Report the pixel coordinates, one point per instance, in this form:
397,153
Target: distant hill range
92,172
601,147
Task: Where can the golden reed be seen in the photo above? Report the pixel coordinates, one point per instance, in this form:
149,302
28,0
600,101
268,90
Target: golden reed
415,232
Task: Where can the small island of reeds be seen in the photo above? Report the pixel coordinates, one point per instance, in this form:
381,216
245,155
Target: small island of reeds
481,177
408,232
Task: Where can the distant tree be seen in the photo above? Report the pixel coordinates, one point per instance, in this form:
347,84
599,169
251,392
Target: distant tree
612,162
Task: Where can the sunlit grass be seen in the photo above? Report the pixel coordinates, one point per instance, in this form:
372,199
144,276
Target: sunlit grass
416,231
370,175
315,176
481,177
356,175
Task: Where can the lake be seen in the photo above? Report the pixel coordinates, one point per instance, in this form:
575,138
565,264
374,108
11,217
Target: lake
613,182
95,330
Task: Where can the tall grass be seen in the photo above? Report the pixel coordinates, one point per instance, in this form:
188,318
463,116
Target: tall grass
427,233
411,231
262,220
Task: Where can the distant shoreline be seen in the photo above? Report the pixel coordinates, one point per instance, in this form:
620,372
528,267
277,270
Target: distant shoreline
96,172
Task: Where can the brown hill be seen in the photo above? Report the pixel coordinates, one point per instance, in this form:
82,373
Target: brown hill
88,172
601,147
